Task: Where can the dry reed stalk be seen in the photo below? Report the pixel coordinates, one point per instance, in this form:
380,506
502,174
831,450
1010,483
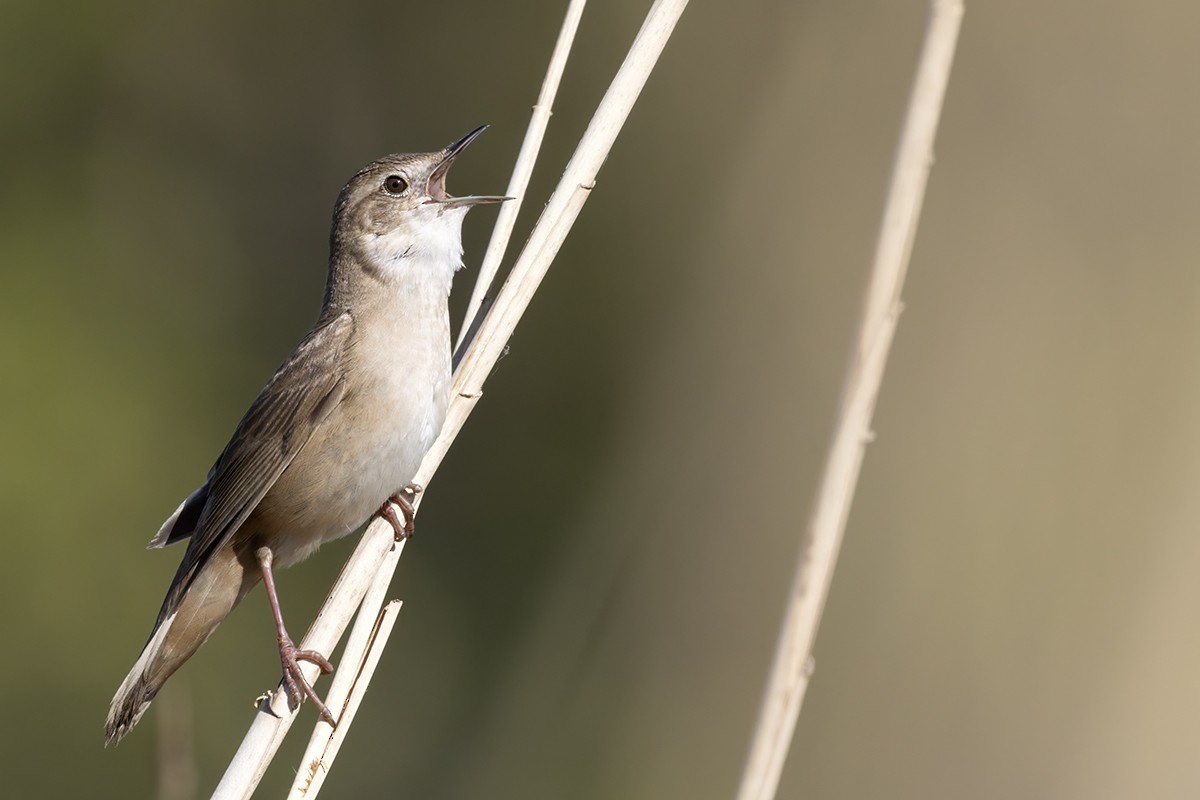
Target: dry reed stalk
793,664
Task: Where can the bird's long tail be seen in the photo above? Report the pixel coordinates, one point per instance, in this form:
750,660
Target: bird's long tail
189,615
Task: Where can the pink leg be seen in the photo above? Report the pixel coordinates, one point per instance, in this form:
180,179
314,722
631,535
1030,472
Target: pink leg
289,656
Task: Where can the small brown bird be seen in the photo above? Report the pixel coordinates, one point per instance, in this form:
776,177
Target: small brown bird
338,432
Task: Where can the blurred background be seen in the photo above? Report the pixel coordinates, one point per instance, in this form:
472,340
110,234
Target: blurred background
592,598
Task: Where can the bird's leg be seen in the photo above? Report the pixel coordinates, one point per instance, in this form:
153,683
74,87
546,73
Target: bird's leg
403,530
289,655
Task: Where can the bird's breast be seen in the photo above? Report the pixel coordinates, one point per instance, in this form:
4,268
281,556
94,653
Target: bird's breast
371,445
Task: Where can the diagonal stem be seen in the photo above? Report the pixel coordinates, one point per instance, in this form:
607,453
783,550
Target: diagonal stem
793,663
522,171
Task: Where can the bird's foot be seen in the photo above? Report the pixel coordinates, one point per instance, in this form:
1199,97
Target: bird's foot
293,677
404,499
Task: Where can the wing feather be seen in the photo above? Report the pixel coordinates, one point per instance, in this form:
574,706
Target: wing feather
299,396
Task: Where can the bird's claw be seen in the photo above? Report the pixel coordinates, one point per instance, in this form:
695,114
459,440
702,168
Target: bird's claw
293,677
402,530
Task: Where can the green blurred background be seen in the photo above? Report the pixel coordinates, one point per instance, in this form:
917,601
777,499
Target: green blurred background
592,598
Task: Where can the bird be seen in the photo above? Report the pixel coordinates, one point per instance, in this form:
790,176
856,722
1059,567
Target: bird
338,432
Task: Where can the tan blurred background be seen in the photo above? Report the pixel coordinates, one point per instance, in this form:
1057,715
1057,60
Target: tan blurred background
592,597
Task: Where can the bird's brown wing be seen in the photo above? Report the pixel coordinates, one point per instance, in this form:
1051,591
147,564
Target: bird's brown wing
299,396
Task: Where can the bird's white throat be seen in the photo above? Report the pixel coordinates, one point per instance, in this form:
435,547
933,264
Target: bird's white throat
428,249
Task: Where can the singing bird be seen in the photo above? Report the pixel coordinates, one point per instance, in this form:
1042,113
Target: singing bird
338,432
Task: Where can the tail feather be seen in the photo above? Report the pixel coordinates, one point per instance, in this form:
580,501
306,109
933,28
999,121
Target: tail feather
139,687
188,617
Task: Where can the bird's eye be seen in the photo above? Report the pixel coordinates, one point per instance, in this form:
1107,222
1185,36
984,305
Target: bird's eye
394,184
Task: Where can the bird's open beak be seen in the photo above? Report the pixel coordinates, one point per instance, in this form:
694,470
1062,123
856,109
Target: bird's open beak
437,179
